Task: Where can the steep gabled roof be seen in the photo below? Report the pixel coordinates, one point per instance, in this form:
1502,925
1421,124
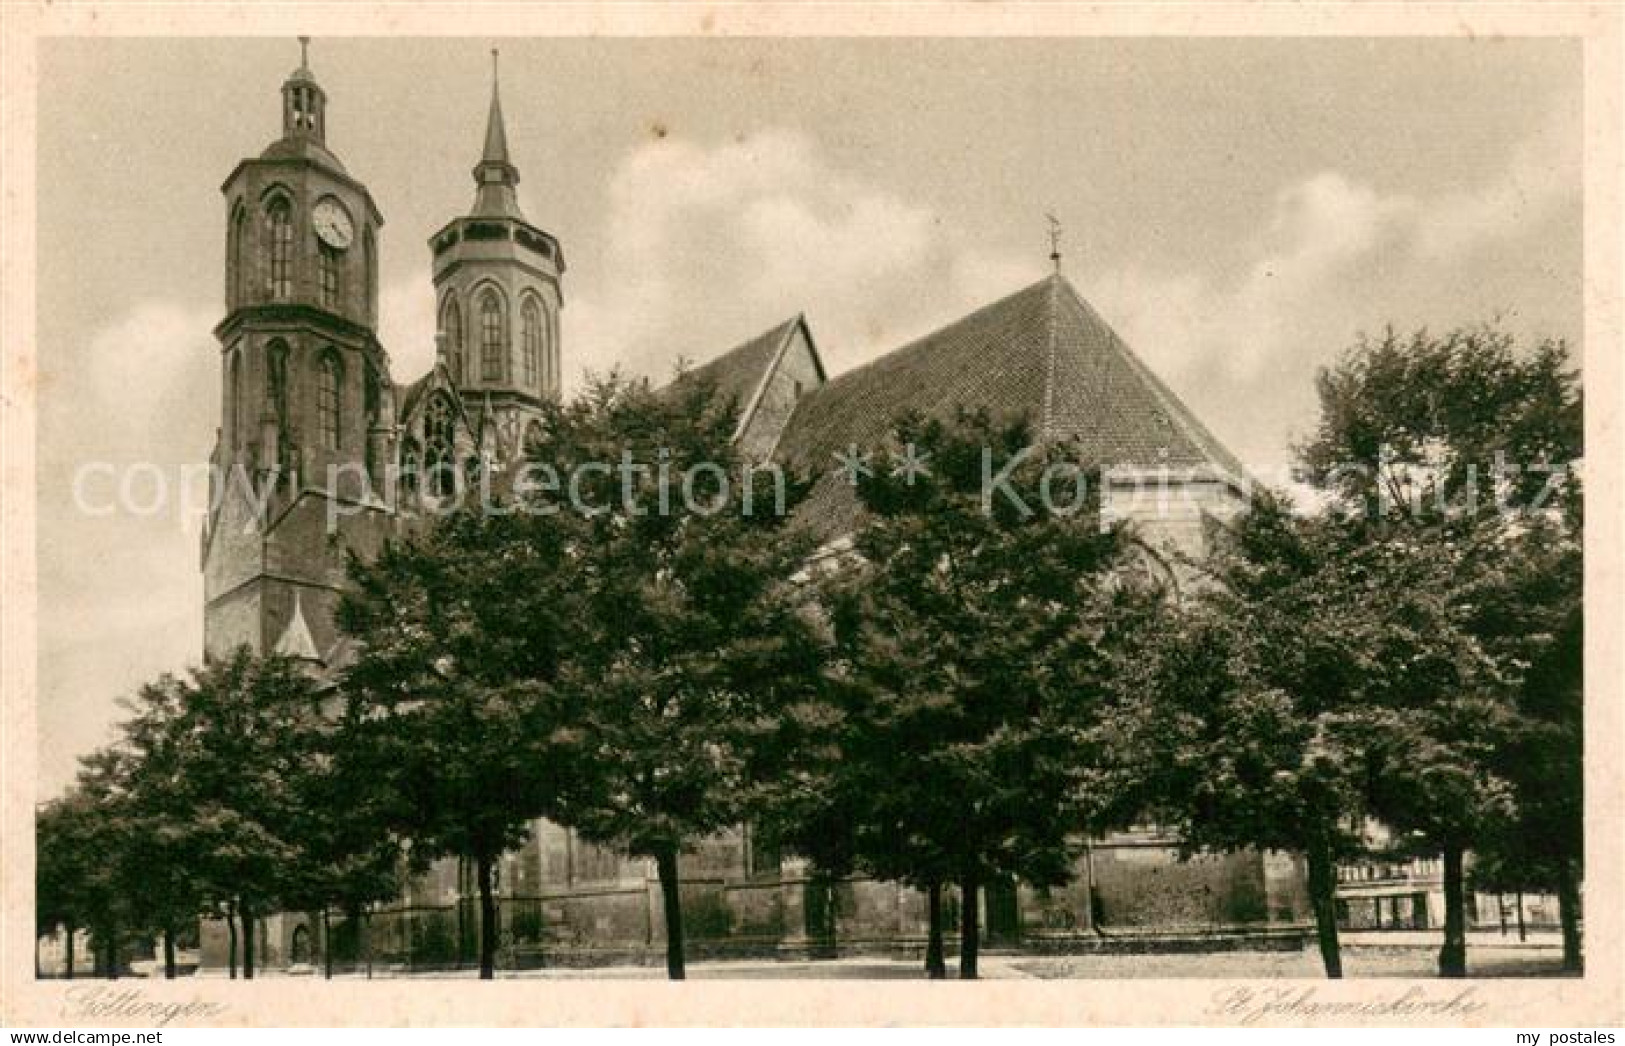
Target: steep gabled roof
1042,353
740,373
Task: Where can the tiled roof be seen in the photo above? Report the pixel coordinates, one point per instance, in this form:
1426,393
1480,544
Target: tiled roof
1042,353
739,372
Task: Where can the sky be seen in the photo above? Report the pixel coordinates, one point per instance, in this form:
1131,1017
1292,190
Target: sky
1240,210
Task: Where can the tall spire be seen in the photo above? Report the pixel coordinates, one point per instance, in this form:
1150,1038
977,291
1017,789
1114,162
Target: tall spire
495,176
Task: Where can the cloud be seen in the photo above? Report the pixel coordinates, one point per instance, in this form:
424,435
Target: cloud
708,245
1335,257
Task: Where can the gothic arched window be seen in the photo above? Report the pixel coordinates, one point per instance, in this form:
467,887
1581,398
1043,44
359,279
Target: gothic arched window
330,266
409,465
530,335
238,291
276,381
451,322
327,400
372,394
551,366
236,436
492,336
369,250
279,230
439,458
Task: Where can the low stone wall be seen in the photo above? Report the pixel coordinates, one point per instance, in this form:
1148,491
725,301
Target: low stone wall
1133,893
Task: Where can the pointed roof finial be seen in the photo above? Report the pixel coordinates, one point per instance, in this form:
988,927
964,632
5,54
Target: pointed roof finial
1054,240
496,135
304,52
495,175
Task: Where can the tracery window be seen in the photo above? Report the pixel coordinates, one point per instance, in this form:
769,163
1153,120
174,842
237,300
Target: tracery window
451,322
330,263
327,401
492,336
439,448
279,225
531,340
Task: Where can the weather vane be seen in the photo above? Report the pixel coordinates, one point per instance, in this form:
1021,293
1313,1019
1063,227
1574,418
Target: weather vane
1054,239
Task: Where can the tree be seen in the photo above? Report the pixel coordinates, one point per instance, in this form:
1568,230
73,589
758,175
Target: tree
454,727
349,858
690,638
94,828
165,852
975,637
1468,442
1535,613
237,734
70,891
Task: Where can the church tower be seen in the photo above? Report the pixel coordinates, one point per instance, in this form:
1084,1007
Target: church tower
498,293
307,414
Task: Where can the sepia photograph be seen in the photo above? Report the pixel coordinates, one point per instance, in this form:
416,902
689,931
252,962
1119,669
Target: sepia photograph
579,510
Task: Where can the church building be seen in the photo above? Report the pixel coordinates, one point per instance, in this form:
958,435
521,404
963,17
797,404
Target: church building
309,401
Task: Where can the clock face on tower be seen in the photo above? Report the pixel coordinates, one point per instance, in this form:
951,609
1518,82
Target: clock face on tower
332,223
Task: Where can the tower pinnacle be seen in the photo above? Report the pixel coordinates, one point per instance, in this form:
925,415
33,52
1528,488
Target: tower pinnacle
495,176
304,105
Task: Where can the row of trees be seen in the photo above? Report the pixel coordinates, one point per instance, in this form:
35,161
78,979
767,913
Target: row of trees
960,698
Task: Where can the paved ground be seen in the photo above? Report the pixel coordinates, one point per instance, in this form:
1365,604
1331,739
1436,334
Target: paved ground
1366,955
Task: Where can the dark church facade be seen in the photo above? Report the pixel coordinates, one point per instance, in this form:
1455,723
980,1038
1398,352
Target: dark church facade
308,396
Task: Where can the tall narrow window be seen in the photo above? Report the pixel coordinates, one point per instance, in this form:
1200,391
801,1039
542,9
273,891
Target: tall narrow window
330,275
531,340
451,322
236,436
279,229
327,401
491,336
369,249
276,381
238,291
439,449
554,379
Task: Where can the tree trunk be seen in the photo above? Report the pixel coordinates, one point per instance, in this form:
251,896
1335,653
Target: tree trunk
935,966
169,955
366,939
327,946
69,954
1501,906
231,941
488,919
1523,931
1453,953
1323,899
671,899
248,942
1568,911
970,926
462,909
112,952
